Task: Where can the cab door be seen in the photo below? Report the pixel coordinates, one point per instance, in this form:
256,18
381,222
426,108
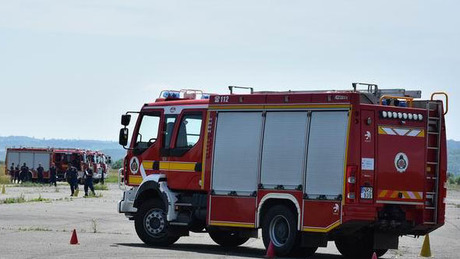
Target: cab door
184,164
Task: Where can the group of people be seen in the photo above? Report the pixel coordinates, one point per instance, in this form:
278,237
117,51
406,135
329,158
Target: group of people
23,174
72,178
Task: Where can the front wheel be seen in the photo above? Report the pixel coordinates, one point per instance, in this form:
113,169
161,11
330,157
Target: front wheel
280,227
227,238
151,224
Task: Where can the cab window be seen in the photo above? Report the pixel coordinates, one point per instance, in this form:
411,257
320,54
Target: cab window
148,131
170,120
189,130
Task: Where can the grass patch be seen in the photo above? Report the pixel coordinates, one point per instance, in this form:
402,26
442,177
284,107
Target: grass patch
4,178
12,200
39,199
112,176
101,187
22,199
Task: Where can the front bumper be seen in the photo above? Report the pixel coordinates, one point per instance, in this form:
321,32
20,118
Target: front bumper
126,204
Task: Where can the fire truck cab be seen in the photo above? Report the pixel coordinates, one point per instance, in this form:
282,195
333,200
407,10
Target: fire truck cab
359,167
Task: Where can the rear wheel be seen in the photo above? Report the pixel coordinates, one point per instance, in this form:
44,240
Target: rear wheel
227,238
151,224
358,245
280,227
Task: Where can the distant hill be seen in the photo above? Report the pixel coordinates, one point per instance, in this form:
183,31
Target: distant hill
110,148
453,159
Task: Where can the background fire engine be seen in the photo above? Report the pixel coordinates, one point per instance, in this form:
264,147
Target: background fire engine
62,157
358,167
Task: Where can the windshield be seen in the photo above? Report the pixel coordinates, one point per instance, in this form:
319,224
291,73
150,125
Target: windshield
148,131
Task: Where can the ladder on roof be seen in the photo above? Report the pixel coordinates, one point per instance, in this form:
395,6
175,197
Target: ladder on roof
434,112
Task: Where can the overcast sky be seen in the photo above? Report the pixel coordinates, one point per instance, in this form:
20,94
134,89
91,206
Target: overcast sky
68,69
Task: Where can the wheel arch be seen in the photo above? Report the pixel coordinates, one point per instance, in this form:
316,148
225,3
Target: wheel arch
149,190
273,199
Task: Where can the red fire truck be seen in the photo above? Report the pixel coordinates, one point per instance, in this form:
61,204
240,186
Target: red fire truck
98,162
32,157
63,157
359,167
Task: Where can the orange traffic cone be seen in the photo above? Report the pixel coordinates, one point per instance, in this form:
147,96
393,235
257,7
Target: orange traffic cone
270,251
374,256
74,239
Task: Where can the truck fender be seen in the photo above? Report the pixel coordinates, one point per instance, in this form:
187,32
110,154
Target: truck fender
157,183
279,196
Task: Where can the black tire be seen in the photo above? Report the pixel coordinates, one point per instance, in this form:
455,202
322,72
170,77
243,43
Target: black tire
280,227
358,245
151,224
227,238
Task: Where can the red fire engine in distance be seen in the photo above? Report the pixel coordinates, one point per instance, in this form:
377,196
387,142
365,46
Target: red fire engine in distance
359,167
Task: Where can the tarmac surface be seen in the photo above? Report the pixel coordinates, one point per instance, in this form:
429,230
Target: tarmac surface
42,229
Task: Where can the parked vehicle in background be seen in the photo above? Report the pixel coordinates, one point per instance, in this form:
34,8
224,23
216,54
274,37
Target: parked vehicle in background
81,159
99,162
358,167
32,157
65,157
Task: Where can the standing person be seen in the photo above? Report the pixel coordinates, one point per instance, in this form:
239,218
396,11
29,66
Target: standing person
53,174
16,174
12,172
89,181
24,176
40,170
72,175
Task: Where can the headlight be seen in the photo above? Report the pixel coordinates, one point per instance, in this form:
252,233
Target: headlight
410,116
420,117
400,115
405,116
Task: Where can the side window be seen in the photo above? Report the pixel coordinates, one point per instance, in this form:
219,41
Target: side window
148,131
189,131
170,120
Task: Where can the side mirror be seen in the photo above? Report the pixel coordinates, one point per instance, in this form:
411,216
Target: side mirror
123,138
125,119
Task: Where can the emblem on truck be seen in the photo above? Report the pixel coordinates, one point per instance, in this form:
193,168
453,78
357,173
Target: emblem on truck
134,165
401,162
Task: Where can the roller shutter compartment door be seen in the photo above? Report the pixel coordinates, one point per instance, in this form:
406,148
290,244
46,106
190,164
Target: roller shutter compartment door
326,154
44,159
28,158
237,152
12,157
283,155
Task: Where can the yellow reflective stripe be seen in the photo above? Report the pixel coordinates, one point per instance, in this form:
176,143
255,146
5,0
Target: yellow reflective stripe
181,166
147,164
383,193
205,147
406,195
417,195
398,131
394,194
171,165
231,224
134,179
164,166
323,230
421,134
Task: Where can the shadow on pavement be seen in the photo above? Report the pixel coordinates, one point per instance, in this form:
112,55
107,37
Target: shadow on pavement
218,250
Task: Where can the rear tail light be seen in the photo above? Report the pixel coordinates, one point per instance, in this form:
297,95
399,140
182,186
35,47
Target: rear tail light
351,183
